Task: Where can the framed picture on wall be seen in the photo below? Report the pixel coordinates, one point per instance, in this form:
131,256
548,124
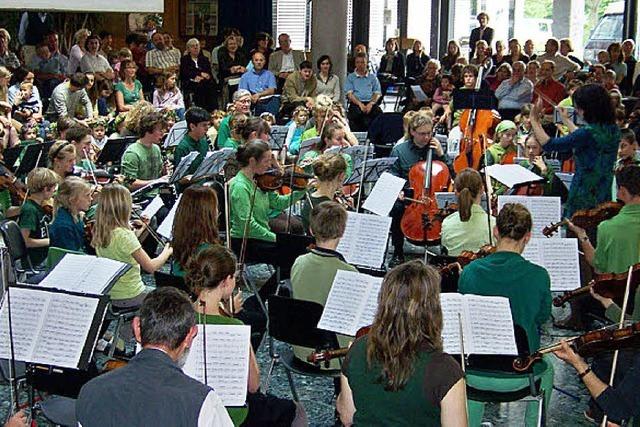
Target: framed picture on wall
198,18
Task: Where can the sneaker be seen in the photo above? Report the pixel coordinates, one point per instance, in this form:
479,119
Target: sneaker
396,260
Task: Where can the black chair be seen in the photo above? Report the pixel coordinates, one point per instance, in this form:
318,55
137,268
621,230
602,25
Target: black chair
166,279
503,365
294,322
14,241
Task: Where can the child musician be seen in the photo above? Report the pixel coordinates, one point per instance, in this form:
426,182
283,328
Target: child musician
34,216
71,201
114,239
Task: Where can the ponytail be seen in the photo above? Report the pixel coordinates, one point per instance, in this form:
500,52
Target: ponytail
465,200
468,184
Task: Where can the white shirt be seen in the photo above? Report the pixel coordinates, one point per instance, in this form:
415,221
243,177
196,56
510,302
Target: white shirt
213,413
287,63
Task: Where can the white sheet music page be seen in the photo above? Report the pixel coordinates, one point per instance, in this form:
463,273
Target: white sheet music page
27,313
227,361
384,194
152,208
351,304
511,175
491,324
365,239
65,328
83,273
452,305
559,257
544,210
166,228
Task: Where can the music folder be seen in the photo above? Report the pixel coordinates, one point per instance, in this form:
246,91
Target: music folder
50,326
33,156
114,149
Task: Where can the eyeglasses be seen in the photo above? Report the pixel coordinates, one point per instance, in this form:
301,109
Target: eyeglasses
244,101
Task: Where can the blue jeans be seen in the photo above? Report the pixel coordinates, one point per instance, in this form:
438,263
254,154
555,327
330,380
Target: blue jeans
269,105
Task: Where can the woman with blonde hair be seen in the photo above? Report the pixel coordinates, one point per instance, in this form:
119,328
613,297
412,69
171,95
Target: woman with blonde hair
71,201
62,158
330,172
77,50
470,227
113,238
400,362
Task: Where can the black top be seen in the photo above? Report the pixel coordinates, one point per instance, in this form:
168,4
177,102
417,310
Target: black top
189,70
36,29
487,35
416,64
397,68
225,62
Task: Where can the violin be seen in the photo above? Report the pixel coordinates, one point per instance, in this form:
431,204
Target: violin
8,181
608,285
466,257
325,356
589,344
420,222
277,178
587,218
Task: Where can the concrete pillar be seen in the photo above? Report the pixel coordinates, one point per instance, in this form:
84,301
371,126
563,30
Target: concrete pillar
329,34
568,21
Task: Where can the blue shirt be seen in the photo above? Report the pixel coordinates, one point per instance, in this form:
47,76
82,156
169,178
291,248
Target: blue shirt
362,87
514,96
257,82
65,233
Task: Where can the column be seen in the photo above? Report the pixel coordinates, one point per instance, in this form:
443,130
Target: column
329,34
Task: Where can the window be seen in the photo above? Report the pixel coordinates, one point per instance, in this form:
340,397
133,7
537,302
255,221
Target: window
293,17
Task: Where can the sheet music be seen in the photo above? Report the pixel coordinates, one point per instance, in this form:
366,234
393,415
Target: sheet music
352,302
445,198
183,167
307,145
559,257
384,194
487,324
227,361
176,133
48,327
544,210
365,239
419,93
87,274
512,175
213,162
152,208
166,228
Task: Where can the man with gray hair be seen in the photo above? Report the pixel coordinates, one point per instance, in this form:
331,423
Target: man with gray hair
513,93
561,62
241,104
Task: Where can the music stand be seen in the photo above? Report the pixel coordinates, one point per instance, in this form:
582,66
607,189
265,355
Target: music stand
30,161
277,137
114,149
10,155
308,145
473,100
372,170
176,133
213,163
361,137
291,246
357,152
183,167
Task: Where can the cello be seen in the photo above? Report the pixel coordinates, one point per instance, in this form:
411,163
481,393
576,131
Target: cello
421,219
474,125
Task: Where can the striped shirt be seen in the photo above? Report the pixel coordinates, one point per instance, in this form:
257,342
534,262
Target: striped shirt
162,58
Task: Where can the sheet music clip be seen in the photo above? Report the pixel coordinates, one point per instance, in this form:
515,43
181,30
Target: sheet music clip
308,145
372,170
176,133
183,167
277,137
114,149
213,163
34,155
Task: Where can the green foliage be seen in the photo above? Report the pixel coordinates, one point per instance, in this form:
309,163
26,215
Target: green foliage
541,9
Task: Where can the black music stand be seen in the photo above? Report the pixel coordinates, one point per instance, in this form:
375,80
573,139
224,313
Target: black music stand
12,154
482,99
307,145
30,160
114,149
183,167
213,163
372,170
277,137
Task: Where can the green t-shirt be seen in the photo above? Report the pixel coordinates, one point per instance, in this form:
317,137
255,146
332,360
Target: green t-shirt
458,236
121,248
176,268
186,146
224,133
34,219
130,96
416,404
140,162
237,413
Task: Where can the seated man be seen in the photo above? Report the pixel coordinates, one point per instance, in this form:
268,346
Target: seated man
68,96
548,86
283,62
161,59
363,92
49,70
299,89
262,85
312,274
138,393
195,139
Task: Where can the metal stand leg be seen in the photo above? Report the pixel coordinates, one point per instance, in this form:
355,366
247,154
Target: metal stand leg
294,392
274,360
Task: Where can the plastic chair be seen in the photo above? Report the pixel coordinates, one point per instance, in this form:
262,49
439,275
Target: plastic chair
17,247
55,255
294,322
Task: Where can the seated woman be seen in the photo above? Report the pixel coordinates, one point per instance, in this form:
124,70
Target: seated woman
329,170
394,366
527,286
113,238
250,207
469,228
128,89
211,277
72,200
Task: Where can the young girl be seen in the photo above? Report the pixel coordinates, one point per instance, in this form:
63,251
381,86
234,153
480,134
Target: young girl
29,133
62,158
329,170
524,127
71,201
114,239
98,134
235,123
296,129
216,118
167,95
468,229
106,102
34,218
333,135
503,150
442,96
211,278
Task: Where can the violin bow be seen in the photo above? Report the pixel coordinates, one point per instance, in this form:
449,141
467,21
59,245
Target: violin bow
488,189
226,214
90,166
364,164
26,193
614,363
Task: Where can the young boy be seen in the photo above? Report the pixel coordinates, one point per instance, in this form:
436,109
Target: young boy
34,220
627,155
312,274
196,138
98,134
216,118
26,106
80,137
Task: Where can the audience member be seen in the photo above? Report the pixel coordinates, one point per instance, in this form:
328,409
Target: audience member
416,60
482,32
77,50
8,59
452,56
285,61
328,82
515,53
167,95
69,97
363,92
196,77
261,83
129,89
561,63
299,89
93,62
566,48
514,92
160,59
548,86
